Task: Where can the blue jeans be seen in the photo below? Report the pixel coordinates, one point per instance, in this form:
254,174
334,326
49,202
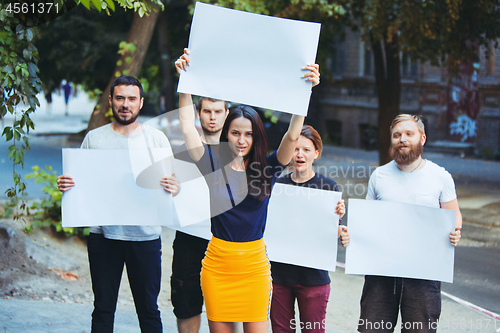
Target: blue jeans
143,261
383,297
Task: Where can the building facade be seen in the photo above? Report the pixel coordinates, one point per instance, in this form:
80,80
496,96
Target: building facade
463,112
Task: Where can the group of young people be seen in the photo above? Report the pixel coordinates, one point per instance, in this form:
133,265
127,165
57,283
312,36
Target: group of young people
232,272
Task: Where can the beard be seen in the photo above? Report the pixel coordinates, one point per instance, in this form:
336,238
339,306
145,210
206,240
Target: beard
121,121
208,129
406,158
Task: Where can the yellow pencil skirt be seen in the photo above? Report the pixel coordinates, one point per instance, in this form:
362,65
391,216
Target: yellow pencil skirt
236,281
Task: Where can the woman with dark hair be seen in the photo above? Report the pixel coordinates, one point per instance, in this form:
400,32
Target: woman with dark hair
235,277
311,287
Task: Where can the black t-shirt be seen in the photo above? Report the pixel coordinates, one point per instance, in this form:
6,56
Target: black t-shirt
237,216
292,274
182,153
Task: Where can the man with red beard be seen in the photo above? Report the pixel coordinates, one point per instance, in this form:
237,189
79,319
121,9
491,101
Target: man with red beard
409,179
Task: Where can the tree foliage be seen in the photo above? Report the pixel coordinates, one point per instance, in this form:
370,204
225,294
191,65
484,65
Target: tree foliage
47,212
428,30
81,47
19,85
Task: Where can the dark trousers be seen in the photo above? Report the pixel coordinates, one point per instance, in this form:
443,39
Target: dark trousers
312,301
185,288
143,262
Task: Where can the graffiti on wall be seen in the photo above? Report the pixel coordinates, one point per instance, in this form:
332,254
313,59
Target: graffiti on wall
463,104
464,127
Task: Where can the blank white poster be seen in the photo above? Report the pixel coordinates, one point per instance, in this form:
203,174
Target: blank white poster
116,187
249,58
400,239
302,226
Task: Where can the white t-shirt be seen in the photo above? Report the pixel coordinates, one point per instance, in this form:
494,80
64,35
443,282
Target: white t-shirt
427,186
105,137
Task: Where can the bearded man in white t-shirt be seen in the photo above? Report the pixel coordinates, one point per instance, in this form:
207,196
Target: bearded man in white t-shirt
409,179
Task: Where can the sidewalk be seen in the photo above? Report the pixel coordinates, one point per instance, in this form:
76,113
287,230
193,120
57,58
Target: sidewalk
342,314
40,316
52,119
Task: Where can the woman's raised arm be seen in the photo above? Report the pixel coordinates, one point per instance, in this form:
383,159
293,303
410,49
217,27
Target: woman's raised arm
289,141
187,114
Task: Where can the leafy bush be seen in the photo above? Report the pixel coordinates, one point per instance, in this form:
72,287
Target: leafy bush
47,213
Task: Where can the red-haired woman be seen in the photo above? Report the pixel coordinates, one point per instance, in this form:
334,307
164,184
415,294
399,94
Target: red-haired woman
235,277
311,287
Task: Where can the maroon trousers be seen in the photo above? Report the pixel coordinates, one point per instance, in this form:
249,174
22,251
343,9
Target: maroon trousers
312,308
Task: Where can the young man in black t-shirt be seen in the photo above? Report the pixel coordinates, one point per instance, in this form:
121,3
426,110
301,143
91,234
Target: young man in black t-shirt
186,295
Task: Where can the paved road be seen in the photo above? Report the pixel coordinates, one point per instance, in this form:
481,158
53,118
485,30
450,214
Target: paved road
477,277
44,151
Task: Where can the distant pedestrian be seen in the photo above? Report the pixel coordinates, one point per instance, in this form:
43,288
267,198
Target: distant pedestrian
67,92
48,98
409,179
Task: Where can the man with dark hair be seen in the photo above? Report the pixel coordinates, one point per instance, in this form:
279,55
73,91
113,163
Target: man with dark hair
186,295
136,246
126,80
409,179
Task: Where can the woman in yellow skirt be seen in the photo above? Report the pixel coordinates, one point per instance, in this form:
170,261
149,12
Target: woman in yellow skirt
235,277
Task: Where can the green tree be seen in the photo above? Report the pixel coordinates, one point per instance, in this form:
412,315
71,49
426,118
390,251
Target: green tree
19,84
172,35
443,32
133,52
81,47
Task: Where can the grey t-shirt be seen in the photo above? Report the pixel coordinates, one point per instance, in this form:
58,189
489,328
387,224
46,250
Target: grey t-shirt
106,138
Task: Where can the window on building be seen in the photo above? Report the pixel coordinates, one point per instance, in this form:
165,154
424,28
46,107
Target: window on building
337,61
368,136
409,68
333,132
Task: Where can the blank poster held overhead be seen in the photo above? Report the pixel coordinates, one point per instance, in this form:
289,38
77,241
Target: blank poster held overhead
400,239
249,58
